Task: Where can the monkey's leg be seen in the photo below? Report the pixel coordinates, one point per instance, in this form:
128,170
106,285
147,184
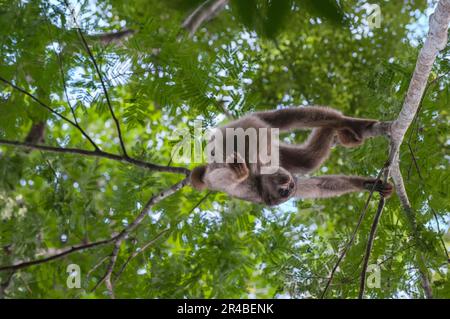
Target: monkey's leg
303,117
336,185
351,131
310,155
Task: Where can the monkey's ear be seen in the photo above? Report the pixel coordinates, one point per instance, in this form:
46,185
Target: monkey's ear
197,176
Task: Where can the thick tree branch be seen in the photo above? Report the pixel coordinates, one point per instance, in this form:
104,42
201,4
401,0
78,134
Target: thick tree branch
205,12
435,42
98,153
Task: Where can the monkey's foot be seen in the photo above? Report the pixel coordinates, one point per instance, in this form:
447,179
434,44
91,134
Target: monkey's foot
379,129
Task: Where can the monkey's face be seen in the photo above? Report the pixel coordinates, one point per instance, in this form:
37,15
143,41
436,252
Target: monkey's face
278,187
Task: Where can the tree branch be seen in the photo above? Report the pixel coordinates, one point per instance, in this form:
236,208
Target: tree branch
116,239
205,12
369,246
99,153
102,82
72,109
117,37
96,266
47,107
435,42
140,251
138,220
371,239
352,238
65,252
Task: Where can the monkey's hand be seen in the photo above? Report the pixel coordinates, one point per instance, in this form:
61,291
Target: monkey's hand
385,189
237,164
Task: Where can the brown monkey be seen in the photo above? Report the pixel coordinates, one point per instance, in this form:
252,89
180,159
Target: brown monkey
240,177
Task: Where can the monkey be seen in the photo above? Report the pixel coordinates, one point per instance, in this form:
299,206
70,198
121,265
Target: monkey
239,177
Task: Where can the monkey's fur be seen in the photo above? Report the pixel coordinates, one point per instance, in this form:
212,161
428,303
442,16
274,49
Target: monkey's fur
243,179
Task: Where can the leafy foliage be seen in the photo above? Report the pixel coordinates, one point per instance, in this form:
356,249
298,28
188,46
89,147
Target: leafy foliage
254,55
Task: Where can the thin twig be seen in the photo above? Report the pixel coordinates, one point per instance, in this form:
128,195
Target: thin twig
138,252
352,238
66,94
96,266
72,109
440,237
102,82
155,239
414,161
369,246
136,222
51,110
116,239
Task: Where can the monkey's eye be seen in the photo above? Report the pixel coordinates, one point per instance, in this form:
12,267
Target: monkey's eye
283,192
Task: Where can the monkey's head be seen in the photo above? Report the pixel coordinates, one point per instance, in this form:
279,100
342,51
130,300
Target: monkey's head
276,188
270,189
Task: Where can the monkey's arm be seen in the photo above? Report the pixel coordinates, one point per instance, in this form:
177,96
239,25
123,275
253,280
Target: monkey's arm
221,177
336,185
